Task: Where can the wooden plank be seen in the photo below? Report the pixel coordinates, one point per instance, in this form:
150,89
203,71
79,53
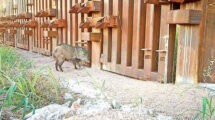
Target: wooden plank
89,36
148,37
44,43
119,40
163,44
156,36
49,43
183,1
184,17
36,29
71,23
59,15
39,19
86,30
64,16
124,32
156,1
30,10
79,22
142,34
188,47
54,40
105,34
96,46
168,76
68,18
130,32
82,19
187,55
207,37
110,12
136,35
74,26
115,34
90,7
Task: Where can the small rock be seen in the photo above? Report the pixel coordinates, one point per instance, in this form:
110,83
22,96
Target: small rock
82,102
11,118
92,108
116,104
126,108
76,105
68,97
151,112
84,89
50,112
162,117
120,116
67,104
143,111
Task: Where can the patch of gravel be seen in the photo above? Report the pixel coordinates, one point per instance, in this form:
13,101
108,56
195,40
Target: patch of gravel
166,99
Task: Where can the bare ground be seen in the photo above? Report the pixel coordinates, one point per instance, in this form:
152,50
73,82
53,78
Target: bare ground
168,99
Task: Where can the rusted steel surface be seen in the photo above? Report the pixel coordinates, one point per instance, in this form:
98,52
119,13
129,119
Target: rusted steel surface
156,1
188,48
184,17
183,1
130,38
207,38
134,38
165,51
90,7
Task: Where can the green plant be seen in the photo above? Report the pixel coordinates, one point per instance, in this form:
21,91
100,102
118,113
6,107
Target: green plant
137,101
22,86
208,110
96,84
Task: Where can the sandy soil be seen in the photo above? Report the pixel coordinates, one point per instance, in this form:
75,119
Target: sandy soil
168,99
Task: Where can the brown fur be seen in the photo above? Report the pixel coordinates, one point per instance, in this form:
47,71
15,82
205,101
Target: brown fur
65,52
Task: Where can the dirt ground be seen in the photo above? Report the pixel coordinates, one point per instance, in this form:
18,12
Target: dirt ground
168,99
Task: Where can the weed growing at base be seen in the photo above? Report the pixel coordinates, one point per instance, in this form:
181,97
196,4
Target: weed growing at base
207,111
22,87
